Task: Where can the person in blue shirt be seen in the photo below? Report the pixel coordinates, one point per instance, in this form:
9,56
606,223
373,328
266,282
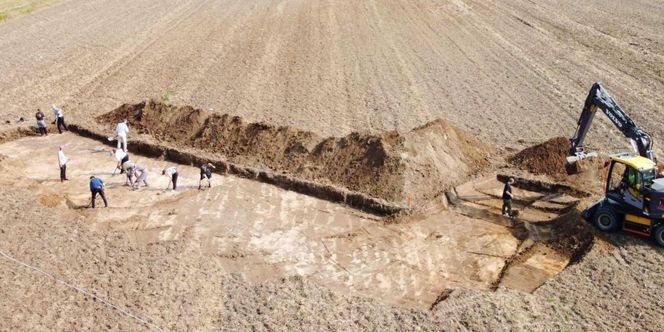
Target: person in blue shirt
97,187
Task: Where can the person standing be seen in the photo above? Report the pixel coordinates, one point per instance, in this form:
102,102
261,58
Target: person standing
172,173
97,187
62,161
140,173
41,124
206,171
121,132
507,197
59,119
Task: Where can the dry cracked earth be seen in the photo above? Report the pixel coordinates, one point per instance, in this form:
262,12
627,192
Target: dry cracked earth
247,256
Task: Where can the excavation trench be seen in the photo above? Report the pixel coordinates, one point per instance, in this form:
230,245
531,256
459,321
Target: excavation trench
401,168
267,225
195,158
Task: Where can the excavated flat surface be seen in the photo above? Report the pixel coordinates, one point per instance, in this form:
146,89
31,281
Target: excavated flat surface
265,232
535,262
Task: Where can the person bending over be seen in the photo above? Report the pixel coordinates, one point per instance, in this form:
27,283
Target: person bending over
121,157
59,119
206,172
172,174
97,187
140,174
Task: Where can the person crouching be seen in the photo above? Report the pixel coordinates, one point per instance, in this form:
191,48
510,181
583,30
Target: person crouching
140,174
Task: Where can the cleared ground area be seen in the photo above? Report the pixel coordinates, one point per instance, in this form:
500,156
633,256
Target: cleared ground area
264,232
245,255
507,70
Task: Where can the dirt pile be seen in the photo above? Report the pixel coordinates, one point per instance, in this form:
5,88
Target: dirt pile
547,158
393,166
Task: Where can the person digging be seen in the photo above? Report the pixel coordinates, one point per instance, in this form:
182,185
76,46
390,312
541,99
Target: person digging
59,119
121,157
128,168
507,198
140,175
172,174
206,172
41,123
97,188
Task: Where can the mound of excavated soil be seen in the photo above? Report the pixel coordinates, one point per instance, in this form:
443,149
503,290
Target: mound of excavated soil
393,166
546,158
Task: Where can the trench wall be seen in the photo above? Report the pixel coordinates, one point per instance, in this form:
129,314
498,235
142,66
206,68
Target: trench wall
330,193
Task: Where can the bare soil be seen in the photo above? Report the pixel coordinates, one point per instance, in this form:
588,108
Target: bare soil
276,257
401,167
175,287
506,71
547,158
264,232
510,73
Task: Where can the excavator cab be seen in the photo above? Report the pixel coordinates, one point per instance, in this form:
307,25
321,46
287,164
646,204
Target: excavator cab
631,181
634,199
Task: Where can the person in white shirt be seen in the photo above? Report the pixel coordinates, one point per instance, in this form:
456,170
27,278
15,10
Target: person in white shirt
62,161
172,173
121,131
122,157
59,118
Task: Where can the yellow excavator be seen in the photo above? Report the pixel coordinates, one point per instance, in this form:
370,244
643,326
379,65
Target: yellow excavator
634,194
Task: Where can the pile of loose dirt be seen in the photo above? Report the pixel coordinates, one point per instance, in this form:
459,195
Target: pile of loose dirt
547,158
393,166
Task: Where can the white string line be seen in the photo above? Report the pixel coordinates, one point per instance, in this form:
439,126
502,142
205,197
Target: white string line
124,311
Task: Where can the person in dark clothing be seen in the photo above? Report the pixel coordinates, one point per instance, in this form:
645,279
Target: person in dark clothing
507,197
41,124
97,187
206,171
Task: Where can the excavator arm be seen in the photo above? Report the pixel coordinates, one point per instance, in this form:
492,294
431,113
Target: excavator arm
599,99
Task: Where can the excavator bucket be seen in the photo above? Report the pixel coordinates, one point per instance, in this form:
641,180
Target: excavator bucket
579,164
